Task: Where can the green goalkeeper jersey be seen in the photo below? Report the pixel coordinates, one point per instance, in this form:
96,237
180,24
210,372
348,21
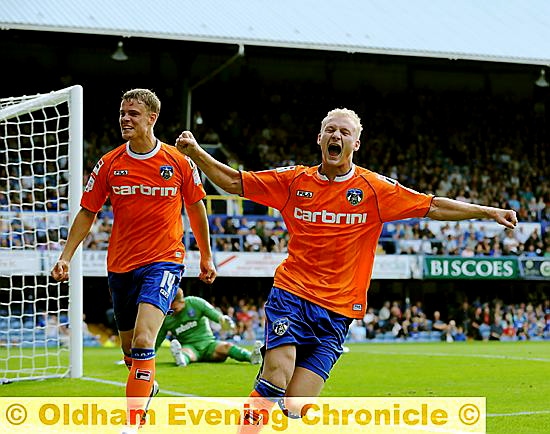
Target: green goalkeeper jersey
191,325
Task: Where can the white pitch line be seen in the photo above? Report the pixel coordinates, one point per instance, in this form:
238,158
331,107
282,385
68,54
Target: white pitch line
518,413
481,356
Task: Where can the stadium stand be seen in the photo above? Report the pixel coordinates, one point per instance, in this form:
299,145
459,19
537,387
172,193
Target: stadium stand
470,146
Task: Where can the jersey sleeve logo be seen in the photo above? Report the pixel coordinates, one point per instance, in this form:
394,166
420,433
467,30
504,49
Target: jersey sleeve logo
98,166
166,172
354,196
90,184
386,179
284,169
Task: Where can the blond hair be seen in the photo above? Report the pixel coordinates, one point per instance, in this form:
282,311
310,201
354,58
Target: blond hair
145,96
350,114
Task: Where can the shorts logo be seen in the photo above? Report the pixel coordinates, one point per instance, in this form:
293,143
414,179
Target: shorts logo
354,196
166,172
302,193
143,374
357,307
120,172
280,326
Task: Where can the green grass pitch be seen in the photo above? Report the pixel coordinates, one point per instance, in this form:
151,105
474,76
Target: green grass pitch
513,376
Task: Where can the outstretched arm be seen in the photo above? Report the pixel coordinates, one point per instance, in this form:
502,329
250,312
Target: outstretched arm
199,223
79,229
443,208
220,174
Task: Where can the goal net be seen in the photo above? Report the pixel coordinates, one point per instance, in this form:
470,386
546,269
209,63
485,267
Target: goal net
40,189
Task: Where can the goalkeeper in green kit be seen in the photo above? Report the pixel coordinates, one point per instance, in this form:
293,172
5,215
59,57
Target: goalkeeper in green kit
192,337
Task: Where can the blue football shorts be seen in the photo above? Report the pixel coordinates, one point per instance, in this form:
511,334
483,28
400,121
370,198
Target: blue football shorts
156,284
317,333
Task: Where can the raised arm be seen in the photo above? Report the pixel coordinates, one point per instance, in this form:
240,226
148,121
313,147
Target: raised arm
220,174
199,223
443,208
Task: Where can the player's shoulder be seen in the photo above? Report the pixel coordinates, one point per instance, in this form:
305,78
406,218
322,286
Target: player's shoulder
281,173
107,159
114,153
196,303
177,155
193,299
294,170
171,150
374,178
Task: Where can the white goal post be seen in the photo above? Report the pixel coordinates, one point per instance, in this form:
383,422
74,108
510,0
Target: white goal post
41,161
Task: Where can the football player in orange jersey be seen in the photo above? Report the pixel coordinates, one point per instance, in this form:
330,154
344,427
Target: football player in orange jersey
334,213
148,183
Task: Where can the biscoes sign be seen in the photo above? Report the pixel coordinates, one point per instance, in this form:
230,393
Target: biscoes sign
470,268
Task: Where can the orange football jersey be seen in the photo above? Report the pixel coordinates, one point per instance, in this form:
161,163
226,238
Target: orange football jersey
334,228
147,192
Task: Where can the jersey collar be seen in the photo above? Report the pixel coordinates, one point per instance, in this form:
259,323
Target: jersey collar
339,178
145,156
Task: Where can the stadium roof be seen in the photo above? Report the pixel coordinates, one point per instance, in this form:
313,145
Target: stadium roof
515,31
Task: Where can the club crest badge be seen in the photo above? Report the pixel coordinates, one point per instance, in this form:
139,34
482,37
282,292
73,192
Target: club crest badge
280,326
166,172
354,196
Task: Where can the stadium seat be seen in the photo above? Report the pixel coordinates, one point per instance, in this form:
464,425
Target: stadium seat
389,336
435,335
424,336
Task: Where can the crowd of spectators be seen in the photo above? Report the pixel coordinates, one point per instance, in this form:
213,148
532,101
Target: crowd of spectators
494,321
456,239
392,321
399,320
259,234
470,146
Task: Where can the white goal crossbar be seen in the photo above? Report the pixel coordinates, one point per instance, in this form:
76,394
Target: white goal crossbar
41,170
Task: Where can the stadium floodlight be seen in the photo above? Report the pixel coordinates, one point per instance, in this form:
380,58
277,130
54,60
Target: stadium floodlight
119,53
40,188
541,81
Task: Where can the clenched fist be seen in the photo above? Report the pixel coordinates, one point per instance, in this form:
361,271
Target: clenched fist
60,271
186,143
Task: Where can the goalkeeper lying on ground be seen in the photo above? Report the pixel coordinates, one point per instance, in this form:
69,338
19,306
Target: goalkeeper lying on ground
192,337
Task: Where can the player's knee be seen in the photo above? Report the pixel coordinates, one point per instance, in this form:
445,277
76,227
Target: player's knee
190,354
293,408
223,348
143,340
